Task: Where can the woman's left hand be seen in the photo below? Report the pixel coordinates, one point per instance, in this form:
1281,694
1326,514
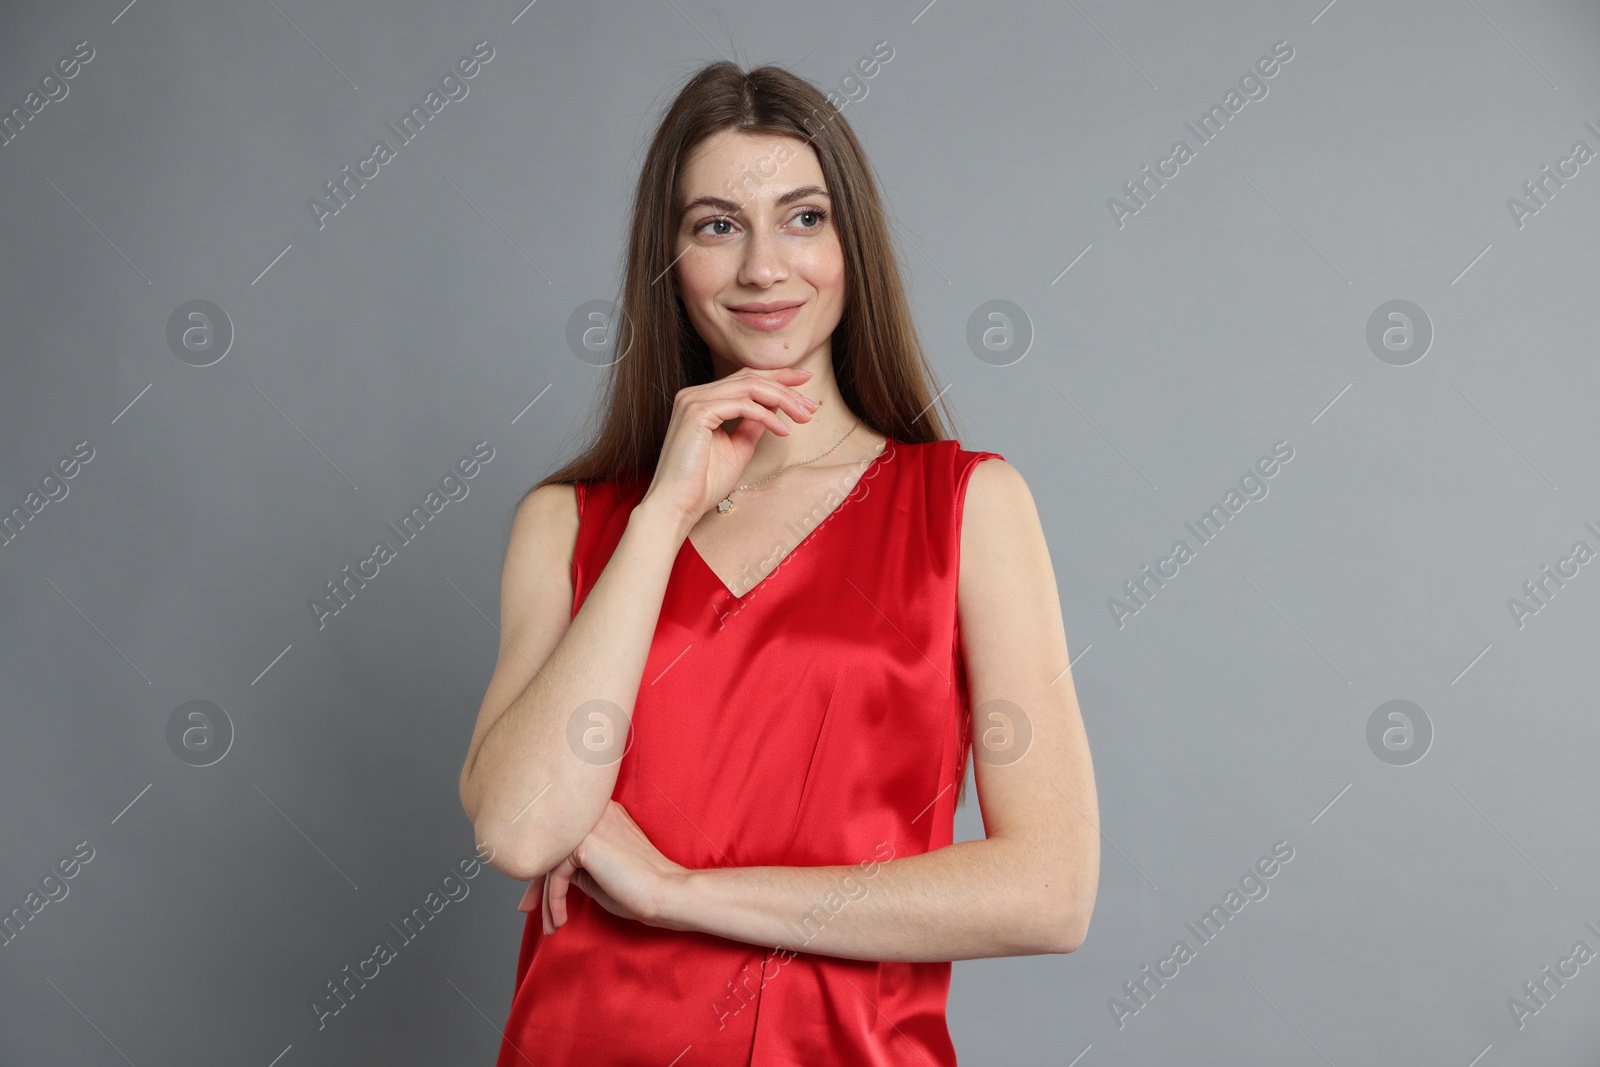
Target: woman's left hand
617,866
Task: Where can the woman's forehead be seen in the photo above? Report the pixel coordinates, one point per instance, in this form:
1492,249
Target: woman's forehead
730,153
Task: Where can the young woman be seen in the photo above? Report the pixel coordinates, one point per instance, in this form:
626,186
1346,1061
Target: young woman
750,636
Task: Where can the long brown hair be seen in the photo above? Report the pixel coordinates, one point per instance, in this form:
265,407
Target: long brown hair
878,360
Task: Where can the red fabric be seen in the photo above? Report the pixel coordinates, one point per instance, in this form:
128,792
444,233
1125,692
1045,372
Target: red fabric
820,719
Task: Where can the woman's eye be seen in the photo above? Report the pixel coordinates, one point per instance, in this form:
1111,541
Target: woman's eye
817,217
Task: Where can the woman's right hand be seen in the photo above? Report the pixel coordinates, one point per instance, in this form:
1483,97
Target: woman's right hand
700,463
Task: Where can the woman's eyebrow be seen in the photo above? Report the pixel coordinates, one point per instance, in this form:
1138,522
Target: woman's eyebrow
732,208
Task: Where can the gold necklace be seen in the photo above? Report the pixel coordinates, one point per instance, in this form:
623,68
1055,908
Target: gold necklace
725,505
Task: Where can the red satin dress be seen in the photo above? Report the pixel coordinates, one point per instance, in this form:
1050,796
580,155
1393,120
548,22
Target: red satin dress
820,719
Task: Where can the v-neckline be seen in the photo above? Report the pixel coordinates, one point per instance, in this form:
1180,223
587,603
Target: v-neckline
889,448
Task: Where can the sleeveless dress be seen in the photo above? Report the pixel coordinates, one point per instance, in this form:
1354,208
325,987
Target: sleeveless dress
822,718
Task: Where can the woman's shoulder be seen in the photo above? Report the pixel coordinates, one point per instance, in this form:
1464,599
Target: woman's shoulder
972,478
948,455
573,507
546,505
609,492
953,478
990,487
946,445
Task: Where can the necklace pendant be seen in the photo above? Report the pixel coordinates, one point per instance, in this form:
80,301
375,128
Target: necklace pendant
725,505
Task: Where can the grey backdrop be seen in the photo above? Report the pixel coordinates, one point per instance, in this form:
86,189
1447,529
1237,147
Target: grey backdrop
1142,367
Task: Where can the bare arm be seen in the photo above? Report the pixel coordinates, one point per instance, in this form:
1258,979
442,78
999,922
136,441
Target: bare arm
961,902
528,793
531,793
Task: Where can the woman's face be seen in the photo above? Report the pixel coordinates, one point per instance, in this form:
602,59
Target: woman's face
759,266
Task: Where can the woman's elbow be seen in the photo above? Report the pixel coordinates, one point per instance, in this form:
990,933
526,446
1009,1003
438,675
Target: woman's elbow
1068,921
510,851
1063,935
1071,932
525,846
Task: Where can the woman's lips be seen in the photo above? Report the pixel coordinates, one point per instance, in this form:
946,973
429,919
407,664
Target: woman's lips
767,320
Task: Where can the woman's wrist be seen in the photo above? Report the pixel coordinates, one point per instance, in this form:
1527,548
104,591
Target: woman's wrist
675,901
662,521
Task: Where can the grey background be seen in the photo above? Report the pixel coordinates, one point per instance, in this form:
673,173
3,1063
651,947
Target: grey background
1230,313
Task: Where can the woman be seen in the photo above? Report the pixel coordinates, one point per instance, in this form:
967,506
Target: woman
750,635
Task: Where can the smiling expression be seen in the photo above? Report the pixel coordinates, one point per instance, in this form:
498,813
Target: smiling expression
759,265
